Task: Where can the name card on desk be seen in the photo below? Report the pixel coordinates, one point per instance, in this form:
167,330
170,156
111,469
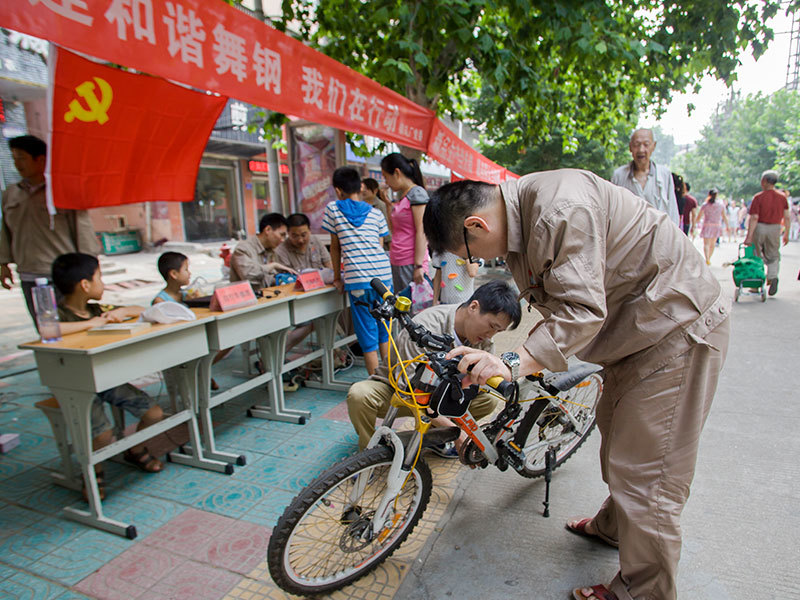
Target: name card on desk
309,281
233,296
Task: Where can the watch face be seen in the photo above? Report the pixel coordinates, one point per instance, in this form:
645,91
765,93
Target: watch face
510,357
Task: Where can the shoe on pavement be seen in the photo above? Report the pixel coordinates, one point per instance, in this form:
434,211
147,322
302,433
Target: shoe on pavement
446,450
773,286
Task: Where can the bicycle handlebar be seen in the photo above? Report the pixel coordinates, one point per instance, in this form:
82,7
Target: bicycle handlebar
437,343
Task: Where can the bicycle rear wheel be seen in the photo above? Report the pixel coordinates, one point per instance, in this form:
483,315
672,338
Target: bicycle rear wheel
544,426
322,542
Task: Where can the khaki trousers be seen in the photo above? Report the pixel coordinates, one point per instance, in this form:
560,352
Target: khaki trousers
650,433
369,399
767,244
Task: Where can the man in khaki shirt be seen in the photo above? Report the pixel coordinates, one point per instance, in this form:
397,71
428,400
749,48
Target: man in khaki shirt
300,250
617,285
254,260
30,236
492,308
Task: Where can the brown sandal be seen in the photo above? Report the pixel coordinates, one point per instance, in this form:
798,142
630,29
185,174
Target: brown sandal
100,477
143,460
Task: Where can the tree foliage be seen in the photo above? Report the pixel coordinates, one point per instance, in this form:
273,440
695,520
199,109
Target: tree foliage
744,138
555,68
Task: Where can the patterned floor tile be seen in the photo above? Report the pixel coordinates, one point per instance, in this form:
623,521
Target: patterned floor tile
305,449
338,413
233,499
37,540
35,448
328,429
9,467
80,557
262,441
70,595
131,574
14,519
268,471
194,581
240,548
35,423
268,511
51,499
19,486
188,532
6,571
23,587
145,512
189,486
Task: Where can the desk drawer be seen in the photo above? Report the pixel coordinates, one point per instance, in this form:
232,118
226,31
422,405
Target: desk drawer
313,307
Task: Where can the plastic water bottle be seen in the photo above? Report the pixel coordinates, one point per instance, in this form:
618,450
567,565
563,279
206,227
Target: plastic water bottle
44,304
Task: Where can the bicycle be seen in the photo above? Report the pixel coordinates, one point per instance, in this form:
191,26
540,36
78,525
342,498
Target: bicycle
355,514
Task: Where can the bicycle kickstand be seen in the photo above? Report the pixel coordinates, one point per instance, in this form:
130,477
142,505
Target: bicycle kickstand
549,462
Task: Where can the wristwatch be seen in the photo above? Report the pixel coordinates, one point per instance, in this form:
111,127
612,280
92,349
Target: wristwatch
511,360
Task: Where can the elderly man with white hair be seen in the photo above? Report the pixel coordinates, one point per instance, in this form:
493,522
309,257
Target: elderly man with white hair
646,179
768,208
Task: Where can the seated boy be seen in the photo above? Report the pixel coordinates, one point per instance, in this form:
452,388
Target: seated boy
492,308
174,268
77,277
356,230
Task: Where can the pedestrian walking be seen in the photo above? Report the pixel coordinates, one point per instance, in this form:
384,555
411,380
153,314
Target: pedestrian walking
712,214
768,209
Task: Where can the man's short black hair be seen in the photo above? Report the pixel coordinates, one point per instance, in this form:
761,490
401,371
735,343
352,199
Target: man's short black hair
70,269
446,210
688,187
372,184
271,220
496,297
30,144
297,220
170,261
347,179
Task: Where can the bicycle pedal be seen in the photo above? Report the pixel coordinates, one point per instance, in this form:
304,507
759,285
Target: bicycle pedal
512,454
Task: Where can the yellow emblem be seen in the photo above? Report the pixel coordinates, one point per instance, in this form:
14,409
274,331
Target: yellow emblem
98,107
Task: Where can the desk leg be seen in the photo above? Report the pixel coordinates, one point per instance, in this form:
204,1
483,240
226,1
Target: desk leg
187,382
204,414
76,407
273,351
326,328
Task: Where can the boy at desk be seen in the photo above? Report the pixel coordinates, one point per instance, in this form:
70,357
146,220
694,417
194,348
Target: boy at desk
77,277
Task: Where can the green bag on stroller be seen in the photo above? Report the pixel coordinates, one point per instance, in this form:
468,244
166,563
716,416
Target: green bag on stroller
748,270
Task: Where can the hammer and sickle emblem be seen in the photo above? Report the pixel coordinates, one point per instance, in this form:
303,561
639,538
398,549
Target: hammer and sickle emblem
98,107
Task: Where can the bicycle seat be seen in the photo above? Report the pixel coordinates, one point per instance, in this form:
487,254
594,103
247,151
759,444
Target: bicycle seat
566,379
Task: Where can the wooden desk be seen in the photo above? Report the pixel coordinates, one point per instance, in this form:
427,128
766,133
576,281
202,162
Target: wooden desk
81,365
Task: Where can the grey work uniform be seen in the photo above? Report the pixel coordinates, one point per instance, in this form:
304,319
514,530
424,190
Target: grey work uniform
620,285
249,262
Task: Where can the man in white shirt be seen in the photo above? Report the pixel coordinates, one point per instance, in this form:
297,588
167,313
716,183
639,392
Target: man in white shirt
646,179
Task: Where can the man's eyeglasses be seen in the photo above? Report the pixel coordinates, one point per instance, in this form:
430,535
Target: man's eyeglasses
470,259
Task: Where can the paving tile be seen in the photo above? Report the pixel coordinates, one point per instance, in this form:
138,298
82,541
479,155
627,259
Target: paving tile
190,485
6,572
70,595
50,499
328,429
130,574
262,441
194,581
239,548
338,413
302,448
80,557
23,586
23,484
268,511
268,471
9,467
37,540
145,512
233,499
188,532
35,448
14,519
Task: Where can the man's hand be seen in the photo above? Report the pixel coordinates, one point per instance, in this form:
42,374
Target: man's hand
785,237
479,365
276,266
339,285
6,276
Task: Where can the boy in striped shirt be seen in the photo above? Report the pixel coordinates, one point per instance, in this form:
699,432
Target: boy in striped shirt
357,256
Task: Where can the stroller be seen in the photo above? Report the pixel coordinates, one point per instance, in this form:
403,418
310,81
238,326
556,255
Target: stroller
748,274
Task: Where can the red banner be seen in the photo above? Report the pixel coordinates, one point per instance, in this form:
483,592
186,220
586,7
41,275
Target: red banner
212,46
118,137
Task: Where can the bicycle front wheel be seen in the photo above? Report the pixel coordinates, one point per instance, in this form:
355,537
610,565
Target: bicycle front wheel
546,426
324,540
